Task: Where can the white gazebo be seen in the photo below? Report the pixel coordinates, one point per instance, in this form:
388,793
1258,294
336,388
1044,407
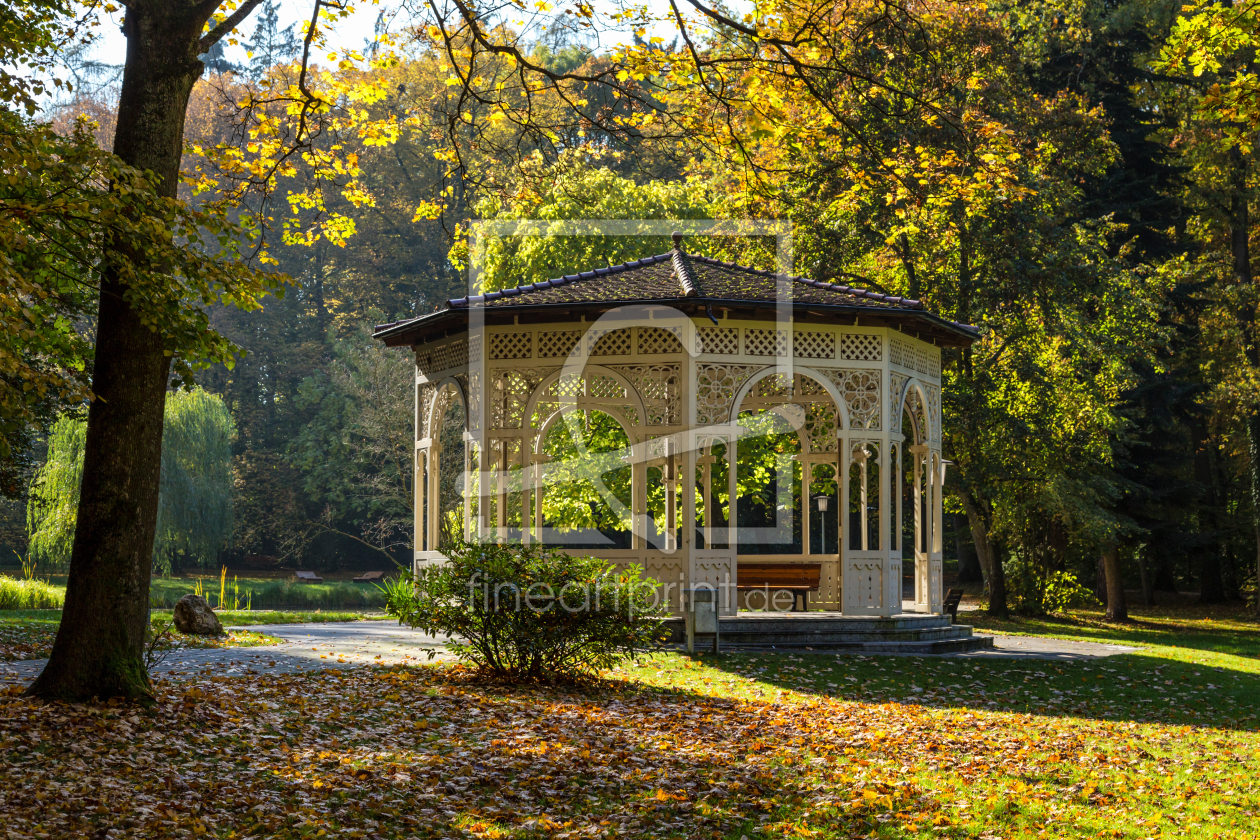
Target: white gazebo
603,410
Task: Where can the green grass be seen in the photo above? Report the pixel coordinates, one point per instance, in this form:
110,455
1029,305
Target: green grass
241,618
269,593
29,594
260,593
1158,743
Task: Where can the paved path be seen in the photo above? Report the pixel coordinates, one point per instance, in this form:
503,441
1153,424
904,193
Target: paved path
1039,647
309,647
306,647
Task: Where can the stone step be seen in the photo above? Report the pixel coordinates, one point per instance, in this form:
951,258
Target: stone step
961,645
832,624
797,631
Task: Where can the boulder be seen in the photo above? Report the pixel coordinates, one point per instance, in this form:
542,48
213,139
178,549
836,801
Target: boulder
194,616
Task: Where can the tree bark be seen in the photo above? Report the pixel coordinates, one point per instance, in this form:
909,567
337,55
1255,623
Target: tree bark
1100,581
990,563
969,570
1117,607
99,648
1148,585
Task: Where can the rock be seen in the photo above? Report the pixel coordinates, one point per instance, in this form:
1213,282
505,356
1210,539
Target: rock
193,616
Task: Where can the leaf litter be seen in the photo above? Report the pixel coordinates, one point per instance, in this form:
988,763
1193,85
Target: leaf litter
429,752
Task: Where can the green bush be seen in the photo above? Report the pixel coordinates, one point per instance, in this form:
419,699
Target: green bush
1065,592
1032,590
29,595
530,613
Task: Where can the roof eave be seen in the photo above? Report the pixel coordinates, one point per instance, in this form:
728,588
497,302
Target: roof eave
396,335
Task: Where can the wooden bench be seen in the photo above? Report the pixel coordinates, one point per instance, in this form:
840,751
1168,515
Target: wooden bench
952,599
308,577
369,577
798,578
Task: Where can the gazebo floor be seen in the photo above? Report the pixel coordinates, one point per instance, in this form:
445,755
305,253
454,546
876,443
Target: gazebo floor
907,632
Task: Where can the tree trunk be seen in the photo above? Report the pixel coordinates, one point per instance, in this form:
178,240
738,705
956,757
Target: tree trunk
990,562
1211,581
1117,607
1100,581
969,570
1148,585
99,648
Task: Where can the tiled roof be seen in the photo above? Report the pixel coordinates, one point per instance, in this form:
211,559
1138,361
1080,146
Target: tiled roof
678,275
687,281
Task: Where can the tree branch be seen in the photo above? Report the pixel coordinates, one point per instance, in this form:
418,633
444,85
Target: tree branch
229,23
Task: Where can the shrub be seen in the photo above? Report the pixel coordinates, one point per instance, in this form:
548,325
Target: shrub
1033,591
531,612
1065,592
30,595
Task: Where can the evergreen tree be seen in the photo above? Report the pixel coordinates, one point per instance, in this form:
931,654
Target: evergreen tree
270,45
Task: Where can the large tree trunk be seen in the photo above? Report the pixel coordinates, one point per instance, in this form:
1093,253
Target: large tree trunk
1117,607
99,648
990,562
969,570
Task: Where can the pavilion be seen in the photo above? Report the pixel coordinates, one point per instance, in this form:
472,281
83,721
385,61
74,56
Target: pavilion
602,411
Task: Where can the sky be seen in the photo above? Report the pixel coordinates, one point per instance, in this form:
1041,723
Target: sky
349,33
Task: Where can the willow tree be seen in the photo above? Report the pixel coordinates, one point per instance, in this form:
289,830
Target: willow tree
194,521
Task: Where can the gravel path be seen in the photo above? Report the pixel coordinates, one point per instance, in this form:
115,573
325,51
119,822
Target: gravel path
308,647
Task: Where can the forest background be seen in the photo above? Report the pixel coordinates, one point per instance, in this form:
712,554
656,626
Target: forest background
1069,177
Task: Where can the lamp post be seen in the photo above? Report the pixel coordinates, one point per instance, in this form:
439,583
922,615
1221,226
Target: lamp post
823,502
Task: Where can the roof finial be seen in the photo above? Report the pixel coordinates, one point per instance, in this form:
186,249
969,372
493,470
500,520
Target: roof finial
677,237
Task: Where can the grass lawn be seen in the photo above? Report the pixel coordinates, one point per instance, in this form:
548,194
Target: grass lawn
257,592
1161,743
28,634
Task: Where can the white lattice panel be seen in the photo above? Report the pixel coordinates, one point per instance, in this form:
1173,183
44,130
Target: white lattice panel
566,387
808,386
512,345
654,340
604,387
660,388
723,341
510,391
450,356
814,345
765,342
557,343
774,385
928,362
900,354
857,347
609,342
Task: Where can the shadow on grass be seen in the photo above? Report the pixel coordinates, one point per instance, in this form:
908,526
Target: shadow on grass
1235,636
1124,687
